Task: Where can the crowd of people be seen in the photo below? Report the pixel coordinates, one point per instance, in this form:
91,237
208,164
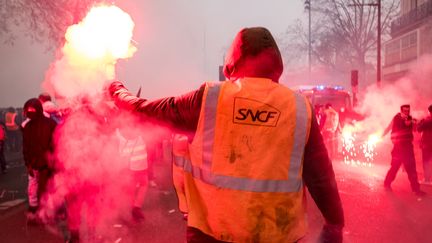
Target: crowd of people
402,127
227,183
38,130
230,137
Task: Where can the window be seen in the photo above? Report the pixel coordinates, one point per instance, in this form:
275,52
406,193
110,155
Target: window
409,46
392,52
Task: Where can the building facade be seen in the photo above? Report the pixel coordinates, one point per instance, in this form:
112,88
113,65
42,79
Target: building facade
411,38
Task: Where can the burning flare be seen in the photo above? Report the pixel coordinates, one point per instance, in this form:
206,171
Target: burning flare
369,146
348,145
357,153
91,51
104,34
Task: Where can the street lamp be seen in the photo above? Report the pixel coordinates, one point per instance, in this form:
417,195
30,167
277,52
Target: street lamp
308,8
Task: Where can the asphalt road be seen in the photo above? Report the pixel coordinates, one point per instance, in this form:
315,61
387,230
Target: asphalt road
372,214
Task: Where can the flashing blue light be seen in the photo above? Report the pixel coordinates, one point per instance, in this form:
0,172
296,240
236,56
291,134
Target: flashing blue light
320,87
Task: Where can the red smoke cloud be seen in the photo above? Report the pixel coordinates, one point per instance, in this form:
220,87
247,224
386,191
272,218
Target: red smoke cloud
90,178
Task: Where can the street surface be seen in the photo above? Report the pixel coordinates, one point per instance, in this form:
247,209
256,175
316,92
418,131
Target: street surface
371,213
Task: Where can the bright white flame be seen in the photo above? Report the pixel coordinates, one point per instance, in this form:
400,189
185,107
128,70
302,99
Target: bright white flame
373,139
105,32
91,51
358,152
348,145
369,146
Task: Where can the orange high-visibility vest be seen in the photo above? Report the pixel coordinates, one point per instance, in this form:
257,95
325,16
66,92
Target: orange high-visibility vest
10,121
243,181
180,152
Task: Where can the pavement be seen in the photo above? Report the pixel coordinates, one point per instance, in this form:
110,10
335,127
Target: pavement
160,210
373,214
13,183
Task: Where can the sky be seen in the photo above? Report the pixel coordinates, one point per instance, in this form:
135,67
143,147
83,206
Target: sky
180,45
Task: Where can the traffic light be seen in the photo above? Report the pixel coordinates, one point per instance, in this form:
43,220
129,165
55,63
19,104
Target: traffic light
354,77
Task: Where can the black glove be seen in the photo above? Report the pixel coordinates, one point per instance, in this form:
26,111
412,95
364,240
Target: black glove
331,234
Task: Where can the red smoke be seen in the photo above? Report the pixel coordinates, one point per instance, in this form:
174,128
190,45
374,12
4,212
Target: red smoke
90,178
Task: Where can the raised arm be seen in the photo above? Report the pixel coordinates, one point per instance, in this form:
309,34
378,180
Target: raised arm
181,112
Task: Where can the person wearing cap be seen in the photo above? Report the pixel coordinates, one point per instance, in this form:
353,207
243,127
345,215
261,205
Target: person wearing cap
425,127
254,146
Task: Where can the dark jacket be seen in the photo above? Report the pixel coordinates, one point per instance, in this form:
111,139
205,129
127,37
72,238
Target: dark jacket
425,127
183,113
400,132
38,138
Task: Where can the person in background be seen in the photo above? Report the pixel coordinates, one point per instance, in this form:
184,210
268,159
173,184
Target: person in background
254,145
38,144
50,109
425,127
330,128
12,130
86,126
320,116
342,117
2,146
154,156
401,128
133,151
180,157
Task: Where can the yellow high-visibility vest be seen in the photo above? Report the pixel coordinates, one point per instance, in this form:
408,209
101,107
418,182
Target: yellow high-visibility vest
243,182
134,151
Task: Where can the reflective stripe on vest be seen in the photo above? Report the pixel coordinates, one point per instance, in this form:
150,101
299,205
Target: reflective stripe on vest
10,120
292,184
135,152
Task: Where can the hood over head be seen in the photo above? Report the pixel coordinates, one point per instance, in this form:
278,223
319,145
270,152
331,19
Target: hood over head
253,53
44,97
33,108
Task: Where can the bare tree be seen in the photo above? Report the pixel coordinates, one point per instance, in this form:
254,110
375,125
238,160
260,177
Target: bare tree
42,20
344,32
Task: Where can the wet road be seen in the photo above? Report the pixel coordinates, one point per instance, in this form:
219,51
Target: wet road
375,215
372,214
